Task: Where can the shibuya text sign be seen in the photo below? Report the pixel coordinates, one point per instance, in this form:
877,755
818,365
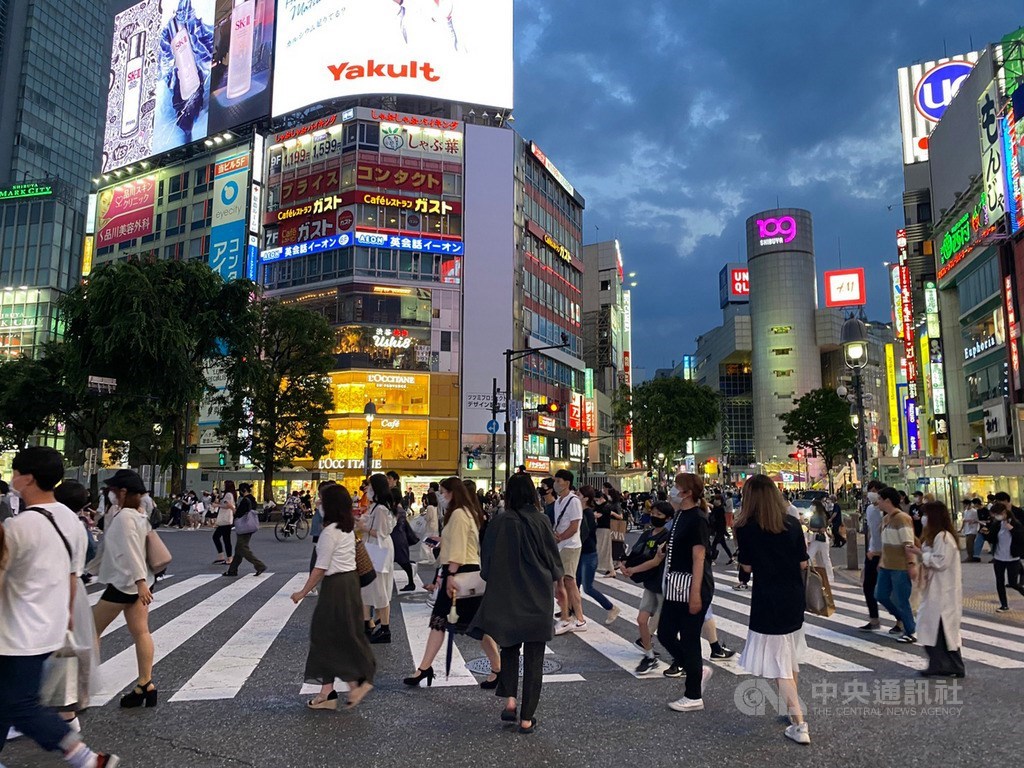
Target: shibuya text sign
776,231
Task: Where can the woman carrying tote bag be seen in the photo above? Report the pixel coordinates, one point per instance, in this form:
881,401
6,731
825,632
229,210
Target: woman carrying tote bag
377,524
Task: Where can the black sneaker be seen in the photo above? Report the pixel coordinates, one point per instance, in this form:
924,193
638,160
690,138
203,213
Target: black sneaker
897,630
639,644
725,653
381,636
869,627
1003,609
647,665
674,671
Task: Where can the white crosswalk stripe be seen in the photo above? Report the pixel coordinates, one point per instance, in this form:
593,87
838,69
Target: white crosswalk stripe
835,646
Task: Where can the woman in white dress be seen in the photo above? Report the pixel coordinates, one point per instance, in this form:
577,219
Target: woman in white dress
431,528
817,540
771,546
376,525
942,599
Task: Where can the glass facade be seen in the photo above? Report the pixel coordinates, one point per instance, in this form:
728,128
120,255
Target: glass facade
61,91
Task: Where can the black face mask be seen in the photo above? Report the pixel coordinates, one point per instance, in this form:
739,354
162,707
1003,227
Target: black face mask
658,522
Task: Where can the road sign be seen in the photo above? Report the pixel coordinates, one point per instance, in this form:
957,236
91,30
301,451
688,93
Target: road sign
492,426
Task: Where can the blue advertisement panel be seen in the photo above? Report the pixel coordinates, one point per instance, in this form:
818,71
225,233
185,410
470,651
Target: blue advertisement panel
230,207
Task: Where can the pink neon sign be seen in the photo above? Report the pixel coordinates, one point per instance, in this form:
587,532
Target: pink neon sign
776,231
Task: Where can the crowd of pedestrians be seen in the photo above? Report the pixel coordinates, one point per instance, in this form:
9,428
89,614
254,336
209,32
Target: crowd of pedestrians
501,565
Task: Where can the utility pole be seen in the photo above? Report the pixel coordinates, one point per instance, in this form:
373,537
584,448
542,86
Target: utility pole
494,435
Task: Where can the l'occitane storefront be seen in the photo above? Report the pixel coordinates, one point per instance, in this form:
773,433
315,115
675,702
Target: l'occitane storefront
415,431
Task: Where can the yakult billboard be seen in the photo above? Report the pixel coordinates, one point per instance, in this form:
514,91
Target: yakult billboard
458,50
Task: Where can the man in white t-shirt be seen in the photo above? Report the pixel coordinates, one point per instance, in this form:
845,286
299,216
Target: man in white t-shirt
568,519
46,547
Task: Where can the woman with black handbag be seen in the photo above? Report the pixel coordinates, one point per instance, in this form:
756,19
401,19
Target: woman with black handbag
338,647
460,556
523,570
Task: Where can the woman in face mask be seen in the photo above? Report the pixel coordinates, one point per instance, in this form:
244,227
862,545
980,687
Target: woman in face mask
123,568
688,587
1005,535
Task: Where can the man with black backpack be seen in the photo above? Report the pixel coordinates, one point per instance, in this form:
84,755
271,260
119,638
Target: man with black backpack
645,565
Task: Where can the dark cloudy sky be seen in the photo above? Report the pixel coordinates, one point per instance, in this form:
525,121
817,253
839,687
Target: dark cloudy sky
677,120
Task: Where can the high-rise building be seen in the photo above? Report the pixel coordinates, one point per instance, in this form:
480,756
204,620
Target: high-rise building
784,350
607,324
53,56
527,292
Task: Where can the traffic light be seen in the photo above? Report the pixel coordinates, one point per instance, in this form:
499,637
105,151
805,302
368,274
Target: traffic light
222,459
551,408
798,456
470,462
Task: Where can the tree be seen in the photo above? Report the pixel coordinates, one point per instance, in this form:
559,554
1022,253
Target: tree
665,414
153,326
275,407
30,399
820,420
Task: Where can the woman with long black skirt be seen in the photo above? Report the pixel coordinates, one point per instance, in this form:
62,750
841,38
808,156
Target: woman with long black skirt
338,647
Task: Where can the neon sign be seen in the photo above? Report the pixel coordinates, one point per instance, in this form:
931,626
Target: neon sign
776,231
21,191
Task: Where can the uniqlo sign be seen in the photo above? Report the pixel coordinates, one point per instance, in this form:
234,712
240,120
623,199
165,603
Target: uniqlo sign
845,288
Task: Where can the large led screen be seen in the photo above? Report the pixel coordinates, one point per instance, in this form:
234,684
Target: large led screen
458,50
181,70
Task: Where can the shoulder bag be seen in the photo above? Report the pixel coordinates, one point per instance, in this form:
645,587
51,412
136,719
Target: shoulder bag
818,601
248,523
468,584
158,556
364,565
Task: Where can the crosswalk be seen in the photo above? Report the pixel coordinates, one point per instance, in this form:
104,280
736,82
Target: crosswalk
221,651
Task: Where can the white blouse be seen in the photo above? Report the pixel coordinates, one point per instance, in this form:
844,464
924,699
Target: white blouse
124,551
336,550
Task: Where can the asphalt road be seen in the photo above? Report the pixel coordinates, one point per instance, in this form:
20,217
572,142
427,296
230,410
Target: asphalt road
212,632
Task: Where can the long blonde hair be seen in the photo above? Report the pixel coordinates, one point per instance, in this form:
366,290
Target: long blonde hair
692,483
763,504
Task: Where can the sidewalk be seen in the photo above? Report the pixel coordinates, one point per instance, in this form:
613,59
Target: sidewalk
979,586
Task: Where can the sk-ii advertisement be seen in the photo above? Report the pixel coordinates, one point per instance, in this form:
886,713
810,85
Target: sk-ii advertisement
182,70
230,207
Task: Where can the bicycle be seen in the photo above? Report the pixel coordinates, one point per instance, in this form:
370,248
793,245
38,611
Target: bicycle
297,526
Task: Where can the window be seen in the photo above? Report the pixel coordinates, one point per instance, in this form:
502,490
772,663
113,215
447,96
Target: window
174,252
446,341
175,222
606,285
177,187
202,214
782,351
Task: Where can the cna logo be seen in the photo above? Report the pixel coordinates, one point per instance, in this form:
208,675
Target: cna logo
776,231
937,87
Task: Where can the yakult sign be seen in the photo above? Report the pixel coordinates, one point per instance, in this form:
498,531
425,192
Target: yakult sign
777,231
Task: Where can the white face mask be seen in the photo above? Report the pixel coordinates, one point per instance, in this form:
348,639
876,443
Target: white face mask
675,495
872,497
112,498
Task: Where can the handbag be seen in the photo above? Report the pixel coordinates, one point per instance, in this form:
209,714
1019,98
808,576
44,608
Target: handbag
158,556
364,565
468,584
378,556
248,523
819,601
410,535
59,687
820,537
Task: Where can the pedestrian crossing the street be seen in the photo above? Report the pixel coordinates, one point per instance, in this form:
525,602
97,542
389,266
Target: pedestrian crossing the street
218,651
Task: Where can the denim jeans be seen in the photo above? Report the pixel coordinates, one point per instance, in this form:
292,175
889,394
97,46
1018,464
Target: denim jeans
979,544
20,677
893,591
585,578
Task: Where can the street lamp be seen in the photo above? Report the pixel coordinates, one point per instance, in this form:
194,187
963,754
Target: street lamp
854,339
586,457
157,431
370,412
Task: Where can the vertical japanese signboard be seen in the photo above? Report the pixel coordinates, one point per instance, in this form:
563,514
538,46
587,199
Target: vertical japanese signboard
230,209
992,159
909,347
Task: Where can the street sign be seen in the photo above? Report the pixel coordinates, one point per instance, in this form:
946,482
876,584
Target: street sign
492,426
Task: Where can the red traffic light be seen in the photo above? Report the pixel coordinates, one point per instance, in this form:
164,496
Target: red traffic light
797,455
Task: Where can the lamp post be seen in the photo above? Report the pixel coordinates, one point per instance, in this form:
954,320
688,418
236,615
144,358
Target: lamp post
854,339
370,412
586,457
157,431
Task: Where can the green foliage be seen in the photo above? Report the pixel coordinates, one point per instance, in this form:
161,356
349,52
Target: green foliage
821,420
30,399
274,410
665,414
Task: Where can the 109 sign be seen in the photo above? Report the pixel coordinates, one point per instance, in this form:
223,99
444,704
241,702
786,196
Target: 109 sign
776,231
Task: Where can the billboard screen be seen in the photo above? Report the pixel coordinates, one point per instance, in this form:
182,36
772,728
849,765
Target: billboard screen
734,284
126,211
230,208
925,90
455,50
183,70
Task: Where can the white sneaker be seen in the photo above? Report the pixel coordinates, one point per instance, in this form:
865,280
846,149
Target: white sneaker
799,733
613,614
562,627
74,724
579,626
686,705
